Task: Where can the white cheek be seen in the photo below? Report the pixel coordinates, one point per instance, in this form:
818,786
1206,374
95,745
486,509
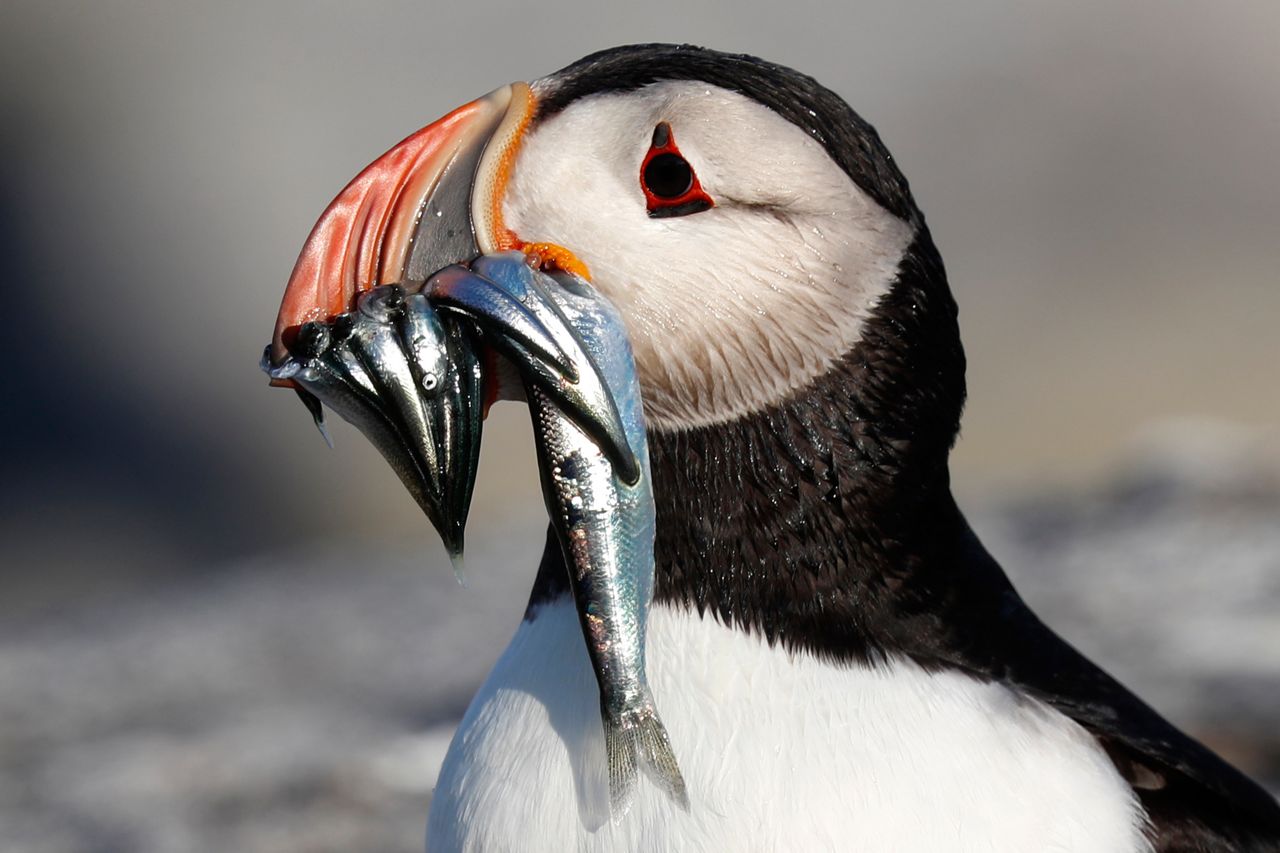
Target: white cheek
731,309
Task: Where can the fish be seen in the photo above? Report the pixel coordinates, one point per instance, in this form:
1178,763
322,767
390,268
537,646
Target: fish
412,381
407,367
520,320
604,517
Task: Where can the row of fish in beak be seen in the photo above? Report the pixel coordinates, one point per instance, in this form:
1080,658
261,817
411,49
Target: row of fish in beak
407,368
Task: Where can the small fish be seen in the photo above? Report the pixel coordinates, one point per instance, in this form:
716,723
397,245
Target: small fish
405,368
411,381
603,515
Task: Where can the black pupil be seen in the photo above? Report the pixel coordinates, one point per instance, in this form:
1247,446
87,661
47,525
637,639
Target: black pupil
668,176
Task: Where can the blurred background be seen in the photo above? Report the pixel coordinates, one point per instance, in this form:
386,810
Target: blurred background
215,633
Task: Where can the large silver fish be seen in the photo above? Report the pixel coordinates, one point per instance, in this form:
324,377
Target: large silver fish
602,512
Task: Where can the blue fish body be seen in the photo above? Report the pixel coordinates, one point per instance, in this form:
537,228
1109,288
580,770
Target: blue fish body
604,523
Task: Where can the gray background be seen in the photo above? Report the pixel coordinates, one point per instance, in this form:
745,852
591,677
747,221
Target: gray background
216,633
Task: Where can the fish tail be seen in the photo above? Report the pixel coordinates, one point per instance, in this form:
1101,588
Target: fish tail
621,747
659,760
640,740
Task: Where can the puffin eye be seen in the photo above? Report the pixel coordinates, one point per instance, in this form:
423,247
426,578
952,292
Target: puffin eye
668,175
670,185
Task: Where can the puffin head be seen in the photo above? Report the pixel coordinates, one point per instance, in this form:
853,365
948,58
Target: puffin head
744,220
793,331
710,198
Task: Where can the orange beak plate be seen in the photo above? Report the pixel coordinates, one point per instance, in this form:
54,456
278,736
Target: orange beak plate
432,200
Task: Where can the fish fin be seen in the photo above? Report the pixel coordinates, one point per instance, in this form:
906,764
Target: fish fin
640,741
317,414
459,568
659,760
621,743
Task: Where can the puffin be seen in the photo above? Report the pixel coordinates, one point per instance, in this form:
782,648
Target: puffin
840,663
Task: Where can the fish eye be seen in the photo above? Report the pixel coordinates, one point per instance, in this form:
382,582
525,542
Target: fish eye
669,182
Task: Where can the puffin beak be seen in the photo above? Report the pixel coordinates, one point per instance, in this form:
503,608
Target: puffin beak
384,322
432,200
355,333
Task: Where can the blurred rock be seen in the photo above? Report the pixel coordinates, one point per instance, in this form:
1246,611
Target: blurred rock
1170,579
299,702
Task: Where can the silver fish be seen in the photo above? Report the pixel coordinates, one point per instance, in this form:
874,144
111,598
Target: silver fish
405,369
603,515
521,320
411,383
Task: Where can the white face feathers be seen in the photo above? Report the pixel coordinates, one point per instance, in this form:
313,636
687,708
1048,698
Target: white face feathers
728,309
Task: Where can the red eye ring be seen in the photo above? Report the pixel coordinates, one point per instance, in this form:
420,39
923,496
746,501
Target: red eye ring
670,185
